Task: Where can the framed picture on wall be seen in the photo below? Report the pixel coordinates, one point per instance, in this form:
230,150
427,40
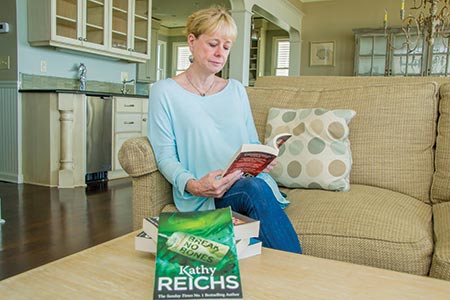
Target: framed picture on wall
322,53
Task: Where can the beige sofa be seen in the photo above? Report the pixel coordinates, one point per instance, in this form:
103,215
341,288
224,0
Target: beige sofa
397,213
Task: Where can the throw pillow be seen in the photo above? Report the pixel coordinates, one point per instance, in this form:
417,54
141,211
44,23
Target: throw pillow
318,154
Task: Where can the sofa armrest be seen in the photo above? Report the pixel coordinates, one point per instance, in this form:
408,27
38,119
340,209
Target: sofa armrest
151,191
440,267
136,157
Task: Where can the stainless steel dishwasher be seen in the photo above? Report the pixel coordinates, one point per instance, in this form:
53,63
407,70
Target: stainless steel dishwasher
98,138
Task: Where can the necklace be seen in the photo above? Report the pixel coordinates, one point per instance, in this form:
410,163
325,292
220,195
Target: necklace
203,94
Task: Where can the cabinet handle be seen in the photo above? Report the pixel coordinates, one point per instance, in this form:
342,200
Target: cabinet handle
80,38
128,123
128,105
144,120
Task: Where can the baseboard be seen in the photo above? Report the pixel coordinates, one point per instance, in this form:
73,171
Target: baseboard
14,178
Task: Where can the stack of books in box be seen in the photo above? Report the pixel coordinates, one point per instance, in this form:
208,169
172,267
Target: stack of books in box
246,232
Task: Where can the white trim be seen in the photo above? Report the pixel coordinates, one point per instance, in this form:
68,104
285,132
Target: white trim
9,84
161,72
14,178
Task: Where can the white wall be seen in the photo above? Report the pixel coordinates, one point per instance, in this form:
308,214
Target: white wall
8,45
335,21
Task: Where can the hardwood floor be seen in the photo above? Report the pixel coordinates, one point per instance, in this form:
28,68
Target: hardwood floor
44,224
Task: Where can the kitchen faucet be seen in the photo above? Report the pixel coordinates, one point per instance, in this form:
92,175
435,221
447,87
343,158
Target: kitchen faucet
83,70
124,89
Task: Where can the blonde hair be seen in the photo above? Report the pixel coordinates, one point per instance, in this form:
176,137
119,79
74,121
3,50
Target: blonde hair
209,20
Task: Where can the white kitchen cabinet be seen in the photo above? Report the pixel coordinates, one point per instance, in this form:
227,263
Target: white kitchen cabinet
116,28
144,127
53,139
130,28
77,23
147,72
130,120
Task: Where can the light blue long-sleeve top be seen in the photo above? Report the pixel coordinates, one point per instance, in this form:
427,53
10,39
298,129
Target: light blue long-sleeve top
193,135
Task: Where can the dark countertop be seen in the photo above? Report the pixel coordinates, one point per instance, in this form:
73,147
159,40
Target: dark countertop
88,93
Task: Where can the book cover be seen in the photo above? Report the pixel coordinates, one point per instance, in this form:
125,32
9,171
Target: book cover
244,227
245,231
245,247
248,247
143,242
196,256
252,159
150,227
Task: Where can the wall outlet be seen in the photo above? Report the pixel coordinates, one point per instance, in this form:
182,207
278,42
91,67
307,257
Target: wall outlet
123,76
4,62
43,66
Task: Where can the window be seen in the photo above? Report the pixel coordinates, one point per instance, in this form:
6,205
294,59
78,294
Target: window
281,57
371,49
381,53
161,60
181,56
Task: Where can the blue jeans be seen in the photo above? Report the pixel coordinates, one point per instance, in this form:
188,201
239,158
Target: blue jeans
254,198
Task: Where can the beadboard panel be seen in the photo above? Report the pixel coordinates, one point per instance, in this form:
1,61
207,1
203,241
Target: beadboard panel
9,132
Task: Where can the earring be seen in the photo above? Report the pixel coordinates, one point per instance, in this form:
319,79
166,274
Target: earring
191,58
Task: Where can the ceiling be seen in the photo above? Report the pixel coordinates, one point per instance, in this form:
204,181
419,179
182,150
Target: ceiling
174,13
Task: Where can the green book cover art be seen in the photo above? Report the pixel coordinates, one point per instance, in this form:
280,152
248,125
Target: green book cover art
196,256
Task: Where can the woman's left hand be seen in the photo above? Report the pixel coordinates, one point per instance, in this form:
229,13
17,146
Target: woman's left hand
212,184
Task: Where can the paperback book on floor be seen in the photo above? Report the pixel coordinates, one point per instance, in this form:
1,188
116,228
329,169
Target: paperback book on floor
196,256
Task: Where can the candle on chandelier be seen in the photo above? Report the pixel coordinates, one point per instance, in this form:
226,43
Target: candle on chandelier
385,18
402,10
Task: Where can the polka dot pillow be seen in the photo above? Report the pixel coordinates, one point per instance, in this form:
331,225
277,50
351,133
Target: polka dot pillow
318,154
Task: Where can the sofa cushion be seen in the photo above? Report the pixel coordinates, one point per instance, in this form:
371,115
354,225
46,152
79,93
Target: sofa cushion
342,81
392,135
262,99
318,154
367,225
440,190
440,267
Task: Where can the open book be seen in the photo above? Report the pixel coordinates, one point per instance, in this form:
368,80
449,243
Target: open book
252,159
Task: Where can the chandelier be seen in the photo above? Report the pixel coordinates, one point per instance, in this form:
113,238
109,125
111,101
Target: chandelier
430,22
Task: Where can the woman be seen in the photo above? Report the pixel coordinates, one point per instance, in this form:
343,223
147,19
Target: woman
199,120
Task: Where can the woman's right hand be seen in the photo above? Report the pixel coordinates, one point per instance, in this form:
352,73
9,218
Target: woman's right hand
212,185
